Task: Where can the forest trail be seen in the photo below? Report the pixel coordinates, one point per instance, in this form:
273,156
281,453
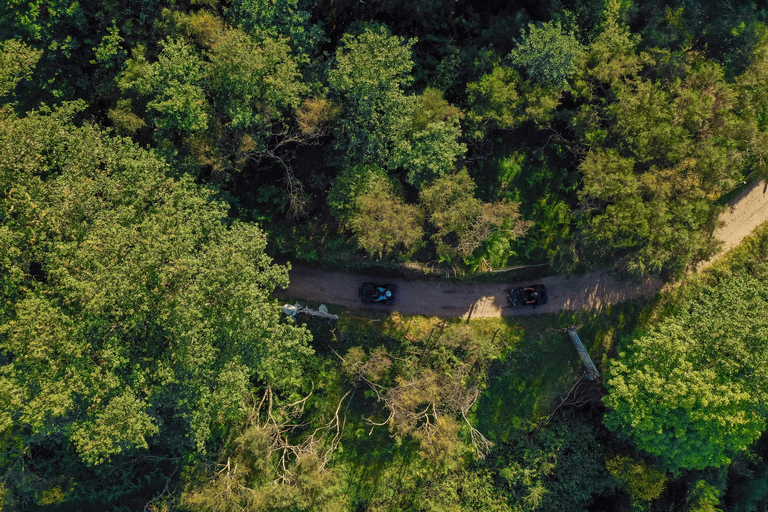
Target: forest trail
446,299
745,213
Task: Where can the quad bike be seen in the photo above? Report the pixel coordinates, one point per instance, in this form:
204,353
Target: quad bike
533,295
378,293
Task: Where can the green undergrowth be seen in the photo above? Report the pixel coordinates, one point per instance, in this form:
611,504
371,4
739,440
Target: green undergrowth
749,257
539,363
536,366
543,364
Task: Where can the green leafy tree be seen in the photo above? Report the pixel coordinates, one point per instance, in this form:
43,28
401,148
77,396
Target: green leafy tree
368,77
213,116
83,44
463,222
174,85
494,98
254,85
134,317
109,53
502,100
558,468
693,390
17,61
383,222
658,155
644,483
433,147
350,184
379,123
703,498
753,103
549,55
279,19
613,56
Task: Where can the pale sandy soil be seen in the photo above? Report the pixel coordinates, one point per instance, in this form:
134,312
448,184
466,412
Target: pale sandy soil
745,212
444,299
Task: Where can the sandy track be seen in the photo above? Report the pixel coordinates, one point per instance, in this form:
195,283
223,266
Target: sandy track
450,300
745,212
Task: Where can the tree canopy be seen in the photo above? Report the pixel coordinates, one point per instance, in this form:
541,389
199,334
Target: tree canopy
135,313
155,156
692,391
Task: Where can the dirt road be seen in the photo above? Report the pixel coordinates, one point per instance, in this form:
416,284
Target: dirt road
745,212
444,299
464,300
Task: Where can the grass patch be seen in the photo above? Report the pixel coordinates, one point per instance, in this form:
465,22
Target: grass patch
539,364
543,365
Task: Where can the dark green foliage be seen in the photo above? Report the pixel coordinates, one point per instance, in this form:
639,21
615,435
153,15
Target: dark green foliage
83,45
747,486
545,194
559,467
548,55
135,316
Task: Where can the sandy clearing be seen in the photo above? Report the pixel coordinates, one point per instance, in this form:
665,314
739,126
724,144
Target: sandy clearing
451,300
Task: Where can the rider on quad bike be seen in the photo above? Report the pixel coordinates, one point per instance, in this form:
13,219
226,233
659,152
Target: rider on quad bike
384,294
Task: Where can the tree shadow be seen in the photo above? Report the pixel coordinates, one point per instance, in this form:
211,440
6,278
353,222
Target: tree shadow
543,365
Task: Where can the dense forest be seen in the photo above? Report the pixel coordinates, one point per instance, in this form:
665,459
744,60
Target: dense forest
158,158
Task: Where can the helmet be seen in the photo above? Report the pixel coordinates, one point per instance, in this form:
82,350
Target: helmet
388,293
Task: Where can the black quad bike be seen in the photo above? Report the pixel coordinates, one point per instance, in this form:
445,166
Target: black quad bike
533,295
378,293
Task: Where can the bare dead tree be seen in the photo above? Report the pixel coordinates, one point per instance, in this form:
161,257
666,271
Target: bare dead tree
583,392
419,406
480,443
279,422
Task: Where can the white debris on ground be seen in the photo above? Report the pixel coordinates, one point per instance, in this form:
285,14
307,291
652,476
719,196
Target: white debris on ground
321,312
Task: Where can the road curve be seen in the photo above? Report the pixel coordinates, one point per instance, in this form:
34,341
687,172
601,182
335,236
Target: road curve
451,300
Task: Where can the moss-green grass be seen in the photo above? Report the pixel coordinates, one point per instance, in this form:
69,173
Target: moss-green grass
539,365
